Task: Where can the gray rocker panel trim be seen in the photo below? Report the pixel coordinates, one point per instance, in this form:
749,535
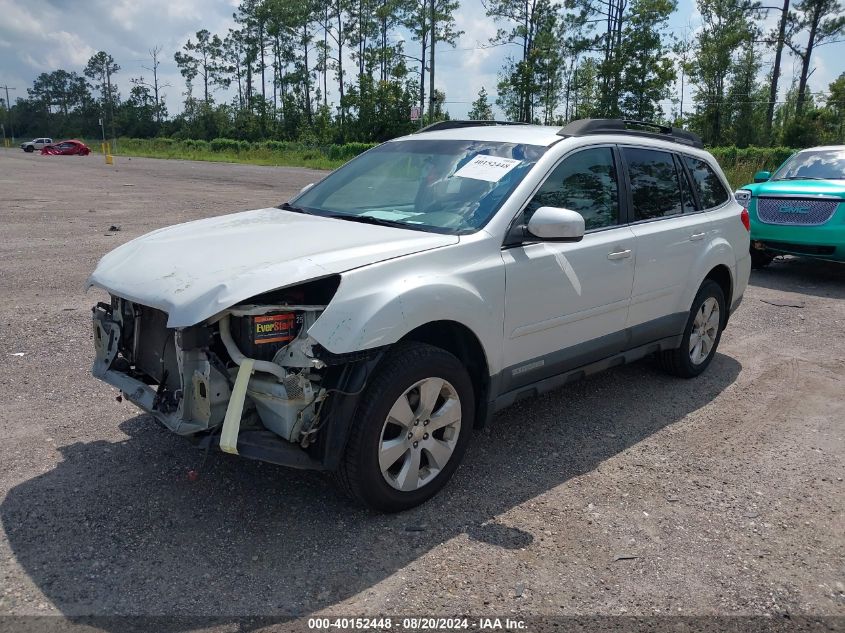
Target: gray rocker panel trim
552,370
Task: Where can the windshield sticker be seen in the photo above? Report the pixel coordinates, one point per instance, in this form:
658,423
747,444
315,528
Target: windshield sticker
489,168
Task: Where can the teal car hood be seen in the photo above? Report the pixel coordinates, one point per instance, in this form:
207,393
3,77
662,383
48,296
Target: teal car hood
798,187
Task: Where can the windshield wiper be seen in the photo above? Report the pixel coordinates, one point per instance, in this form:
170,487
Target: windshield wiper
366,219
804,178
286,206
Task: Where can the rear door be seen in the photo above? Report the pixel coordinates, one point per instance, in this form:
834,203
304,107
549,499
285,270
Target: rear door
566,303
672,235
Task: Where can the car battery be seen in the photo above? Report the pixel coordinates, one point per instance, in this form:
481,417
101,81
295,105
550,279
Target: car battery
260,336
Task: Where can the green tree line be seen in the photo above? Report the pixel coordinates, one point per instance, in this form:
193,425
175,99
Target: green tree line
338,71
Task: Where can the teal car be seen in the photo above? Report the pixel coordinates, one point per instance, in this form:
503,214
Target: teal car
800,209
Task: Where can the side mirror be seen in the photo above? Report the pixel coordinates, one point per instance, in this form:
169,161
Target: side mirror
554,224
762,176
306,187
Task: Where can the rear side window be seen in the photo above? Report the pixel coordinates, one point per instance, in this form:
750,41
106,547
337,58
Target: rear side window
711,191
655,183
584,182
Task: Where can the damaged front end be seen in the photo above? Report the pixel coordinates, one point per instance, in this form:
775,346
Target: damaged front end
249,379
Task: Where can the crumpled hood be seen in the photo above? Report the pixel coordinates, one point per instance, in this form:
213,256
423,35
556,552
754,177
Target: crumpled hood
194,270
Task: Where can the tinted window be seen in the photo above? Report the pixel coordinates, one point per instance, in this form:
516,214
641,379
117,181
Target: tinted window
584,182
655,186
711,191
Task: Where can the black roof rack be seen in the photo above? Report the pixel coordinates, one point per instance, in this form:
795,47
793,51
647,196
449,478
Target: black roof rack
451,125
586,127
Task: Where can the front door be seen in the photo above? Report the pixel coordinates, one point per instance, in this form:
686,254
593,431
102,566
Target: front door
566,302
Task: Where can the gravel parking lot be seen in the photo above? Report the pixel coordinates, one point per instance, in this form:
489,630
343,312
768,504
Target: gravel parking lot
629,493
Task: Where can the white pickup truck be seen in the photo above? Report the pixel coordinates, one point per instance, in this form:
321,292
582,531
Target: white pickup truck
36,143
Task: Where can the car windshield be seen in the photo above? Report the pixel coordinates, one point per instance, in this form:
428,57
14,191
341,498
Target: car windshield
828,164
443,186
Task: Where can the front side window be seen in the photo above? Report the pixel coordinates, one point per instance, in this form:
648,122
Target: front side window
711,191
443,186
584,182
655,183
826,164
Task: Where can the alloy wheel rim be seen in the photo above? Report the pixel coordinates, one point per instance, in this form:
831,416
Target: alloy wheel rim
705,329
420,434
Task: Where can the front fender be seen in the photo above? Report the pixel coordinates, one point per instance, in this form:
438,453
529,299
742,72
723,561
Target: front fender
379,304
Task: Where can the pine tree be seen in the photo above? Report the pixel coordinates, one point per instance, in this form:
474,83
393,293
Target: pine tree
481,109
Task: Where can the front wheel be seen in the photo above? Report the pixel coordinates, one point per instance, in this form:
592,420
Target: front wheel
29,149
702,334
411,430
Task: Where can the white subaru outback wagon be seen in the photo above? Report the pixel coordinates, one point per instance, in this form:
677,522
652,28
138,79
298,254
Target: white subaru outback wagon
369,324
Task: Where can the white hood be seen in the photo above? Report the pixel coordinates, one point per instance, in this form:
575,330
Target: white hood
193,271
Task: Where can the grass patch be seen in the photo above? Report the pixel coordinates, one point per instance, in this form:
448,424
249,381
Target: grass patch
272,153
739,165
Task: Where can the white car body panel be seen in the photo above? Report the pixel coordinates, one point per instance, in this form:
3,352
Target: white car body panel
731,242
193,271
377,305
562,294
669,257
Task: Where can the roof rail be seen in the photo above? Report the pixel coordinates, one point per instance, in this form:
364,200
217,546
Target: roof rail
453,124
586,127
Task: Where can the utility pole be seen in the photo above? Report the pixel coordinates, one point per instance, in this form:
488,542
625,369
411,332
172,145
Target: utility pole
9,112
431,98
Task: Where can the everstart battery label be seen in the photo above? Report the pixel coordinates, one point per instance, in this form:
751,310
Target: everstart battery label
275,328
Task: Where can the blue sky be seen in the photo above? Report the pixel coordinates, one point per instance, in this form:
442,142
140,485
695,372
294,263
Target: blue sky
43,35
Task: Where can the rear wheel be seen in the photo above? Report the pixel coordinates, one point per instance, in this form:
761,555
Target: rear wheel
411,430
701,335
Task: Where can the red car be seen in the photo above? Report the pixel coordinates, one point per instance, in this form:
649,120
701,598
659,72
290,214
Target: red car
67,148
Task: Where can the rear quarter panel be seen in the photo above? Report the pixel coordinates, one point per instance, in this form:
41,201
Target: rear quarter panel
729,245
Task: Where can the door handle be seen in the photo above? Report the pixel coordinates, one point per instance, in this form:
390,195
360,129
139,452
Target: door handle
697,236
619,254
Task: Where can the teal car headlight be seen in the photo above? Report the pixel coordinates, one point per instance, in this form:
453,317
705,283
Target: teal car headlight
743,196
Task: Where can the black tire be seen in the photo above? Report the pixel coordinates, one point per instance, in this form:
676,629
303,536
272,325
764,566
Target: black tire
678,361
360,475
29,149
760,259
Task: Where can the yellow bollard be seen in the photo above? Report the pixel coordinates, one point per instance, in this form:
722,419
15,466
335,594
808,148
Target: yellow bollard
109,159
